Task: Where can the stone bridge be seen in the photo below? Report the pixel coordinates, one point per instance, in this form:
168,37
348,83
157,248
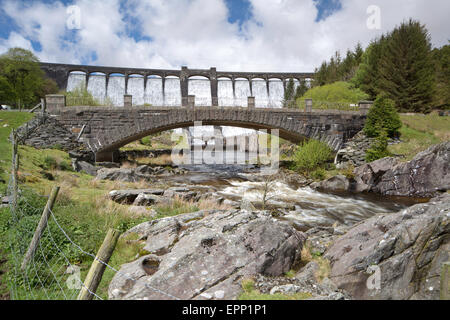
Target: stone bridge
105,129
60,73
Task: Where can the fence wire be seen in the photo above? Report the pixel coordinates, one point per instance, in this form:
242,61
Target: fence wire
52,273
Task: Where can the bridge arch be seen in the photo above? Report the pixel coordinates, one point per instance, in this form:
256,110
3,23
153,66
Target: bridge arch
106,130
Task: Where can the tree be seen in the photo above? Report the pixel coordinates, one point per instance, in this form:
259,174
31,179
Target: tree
289,93
441,59
378,149
406,68
21,79
301,89
382,117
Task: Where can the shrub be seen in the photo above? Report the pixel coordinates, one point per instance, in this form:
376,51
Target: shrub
340,91
382,116
65,166
378,149
318,174
310,155
50,163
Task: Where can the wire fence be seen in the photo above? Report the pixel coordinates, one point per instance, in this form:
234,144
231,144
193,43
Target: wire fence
53,272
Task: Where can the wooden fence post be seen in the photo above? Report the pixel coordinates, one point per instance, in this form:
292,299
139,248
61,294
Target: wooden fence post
95,273
14,169
40,228
445,281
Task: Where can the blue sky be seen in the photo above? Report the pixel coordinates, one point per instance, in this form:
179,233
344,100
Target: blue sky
284,35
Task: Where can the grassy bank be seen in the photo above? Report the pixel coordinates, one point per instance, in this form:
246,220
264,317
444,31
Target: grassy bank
419,132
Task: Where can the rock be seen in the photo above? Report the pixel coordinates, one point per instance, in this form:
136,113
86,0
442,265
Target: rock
353,152
83,166
207,255
408,247
144,199
368,175
247,205
307,273
114,174
5,200
426,175
337,183
137,174
129,196
307,285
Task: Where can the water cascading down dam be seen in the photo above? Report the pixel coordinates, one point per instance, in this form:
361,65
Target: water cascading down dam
171,87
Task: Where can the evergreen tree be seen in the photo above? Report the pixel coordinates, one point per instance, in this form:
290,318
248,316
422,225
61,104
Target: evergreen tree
301,89
441,58
289,94
382,116
406,69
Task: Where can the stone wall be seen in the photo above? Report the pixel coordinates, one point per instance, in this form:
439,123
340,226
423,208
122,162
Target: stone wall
107,129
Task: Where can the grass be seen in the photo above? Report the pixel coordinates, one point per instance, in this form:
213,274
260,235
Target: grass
249,292
419,132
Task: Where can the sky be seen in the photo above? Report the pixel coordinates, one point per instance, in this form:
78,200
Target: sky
231,35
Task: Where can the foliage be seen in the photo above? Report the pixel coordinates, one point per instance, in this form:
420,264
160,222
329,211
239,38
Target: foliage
441,59
310,155
249,292
289,93
80,96
22,82
382,116
419,132
338,69
399,64
341,92
378,149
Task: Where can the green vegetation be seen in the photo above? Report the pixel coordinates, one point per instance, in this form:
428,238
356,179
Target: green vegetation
339,69
336,93
378,149
399,64
441,59
382,117
175,207
80,96
419,132
311,155
291,93
251,293
22,82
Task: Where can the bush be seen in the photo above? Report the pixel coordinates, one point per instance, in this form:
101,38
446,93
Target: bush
50,163
310,155
342,92
378,149
382,116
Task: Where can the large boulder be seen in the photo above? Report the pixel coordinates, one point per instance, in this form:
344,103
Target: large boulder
130,196
206,255
426,175
334,184
405,249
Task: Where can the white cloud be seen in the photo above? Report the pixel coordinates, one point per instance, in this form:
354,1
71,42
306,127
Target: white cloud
282,35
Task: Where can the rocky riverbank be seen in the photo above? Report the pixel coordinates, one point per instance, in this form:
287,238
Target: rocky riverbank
209,253
425,176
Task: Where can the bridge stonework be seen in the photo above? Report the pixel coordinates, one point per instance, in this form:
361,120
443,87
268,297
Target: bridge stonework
105,130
